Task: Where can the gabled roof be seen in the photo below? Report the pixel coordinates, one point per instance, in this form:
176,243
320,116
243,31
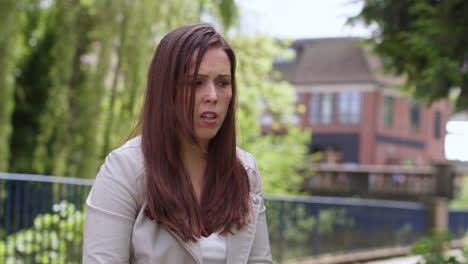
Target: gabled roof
333,60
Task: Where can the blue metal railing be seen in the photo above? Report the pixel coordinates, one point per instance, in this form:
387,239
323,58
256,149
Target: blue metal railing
310,226
42,218
41,221
458,223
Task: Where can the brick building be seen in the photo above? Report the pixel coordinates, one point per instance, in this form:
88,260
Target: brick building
356,113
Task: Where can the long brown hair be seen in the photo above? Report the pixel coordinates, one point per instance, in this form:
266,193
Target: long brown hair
167,115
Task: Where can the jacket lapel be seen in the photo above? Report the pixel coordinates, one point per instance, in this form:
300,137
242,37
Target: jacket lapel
192,248
240,243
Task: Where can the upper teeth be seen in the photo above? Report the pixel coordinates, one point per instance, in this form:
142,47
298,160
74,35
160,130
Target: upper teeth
209,115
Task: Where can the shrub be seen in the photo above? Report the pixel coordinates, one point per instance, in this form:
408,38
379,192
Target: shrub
54,238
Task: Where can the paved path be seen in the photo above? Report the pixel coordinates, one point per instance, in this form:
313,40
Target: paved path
414,259
400,260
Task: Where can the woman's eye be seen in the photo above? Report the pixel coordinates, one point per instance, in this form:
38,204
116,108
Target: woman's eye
225,83
198,83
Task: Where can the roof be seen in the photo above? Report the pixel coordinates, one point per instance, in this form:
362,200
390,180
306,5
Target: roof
333,60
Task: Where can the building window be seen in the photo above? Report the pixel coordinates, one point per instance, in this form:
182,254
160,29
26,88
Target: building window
415,116
437,122
349,107
320,108
387,111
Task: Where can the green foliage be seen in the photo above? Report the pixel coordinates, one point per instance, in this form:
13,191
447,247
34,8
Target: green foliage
93,91
72,73
54,121
426,41
282,157
54,238
228,11
433,249
10,48
461,198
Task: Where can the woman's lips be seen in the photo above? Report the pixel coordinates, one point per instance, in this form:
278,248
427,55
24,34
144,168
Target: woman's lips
209,117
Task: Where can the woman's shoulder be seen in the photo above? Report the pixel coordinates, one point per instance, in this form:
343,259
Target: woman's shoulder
130,145
131,149
247,159
250,164
128,155
120,179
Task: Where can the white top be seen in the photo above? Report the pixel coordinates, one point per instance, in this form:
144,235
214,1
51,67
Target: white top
213,249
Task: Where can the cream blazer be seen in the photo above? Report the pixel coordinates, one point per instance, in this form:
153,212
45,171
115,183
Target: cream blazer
117,230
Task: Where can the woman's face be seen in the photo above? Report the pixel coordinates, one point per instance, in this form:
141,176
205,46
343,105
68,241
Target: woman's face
213,94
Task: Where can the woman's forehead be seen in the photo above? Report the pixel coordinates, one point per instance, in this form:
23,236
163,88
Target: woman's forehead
214,59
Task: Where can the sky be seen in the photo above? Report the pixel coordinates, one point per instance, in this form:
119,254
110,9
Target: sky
301,18
298,19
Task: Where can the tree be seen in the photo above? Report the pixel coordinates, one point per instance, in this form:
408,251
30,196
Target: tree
424,40
9,51
56,59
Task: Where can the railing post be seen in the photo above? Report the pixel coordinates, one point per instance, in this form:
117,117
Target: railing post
360,183
281,232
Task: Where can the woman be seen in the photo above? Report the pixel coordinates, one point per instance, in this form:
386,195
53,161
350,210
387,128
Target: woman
181,192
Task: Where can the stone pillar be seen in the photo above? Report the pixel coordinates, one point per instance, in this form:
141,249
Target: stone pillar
443,175
437,214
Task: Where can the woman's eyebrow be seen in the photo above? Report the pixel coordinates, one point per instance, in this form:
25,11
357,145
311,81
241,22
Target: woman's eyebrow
206,75
225,75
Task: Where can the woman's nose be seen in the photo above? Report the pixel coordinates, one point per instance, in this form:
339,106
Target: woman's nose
211,95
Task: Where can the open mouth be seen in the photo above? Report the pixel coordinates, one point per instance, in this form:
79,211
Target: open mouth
209,115
209,118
